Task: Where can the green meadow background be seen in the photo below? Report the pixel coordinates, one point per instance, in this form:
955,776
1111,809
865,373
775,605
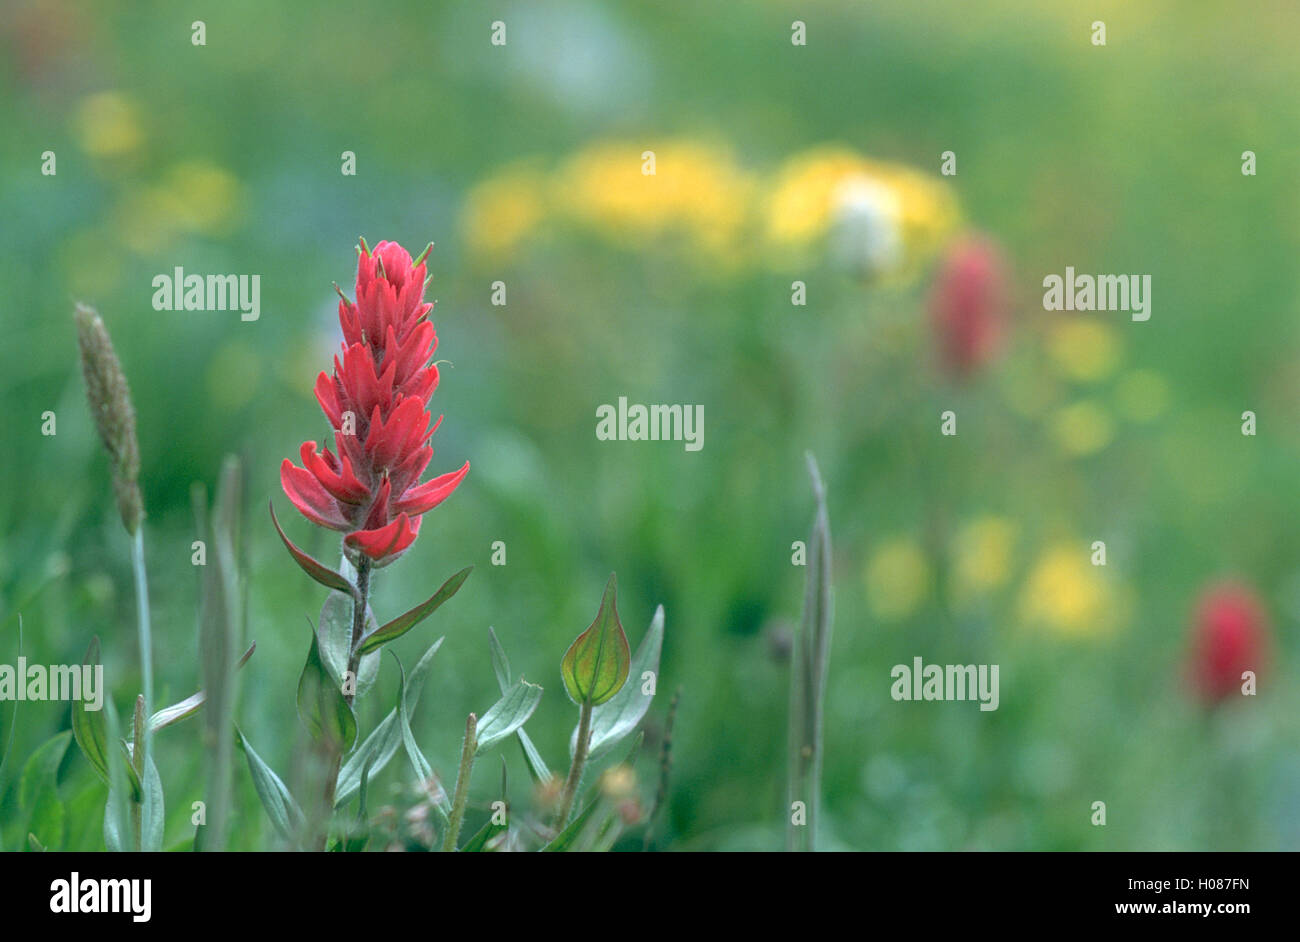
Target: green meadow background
521,164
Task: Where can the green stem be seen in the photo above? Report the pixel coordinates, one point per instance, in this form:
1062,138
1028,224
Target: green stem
467,750
142,736
360,603
142,606
575,770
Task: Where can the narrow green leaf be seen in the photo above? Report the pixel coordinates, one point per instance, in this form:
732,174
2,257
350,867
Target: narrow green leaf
423,771
152,809
500,663
220,629
537,767
615,719
38,790
135,789
404,623
118,835
321,704
88,725
186,708
567,839
365,785
808,670
507,714
314,568
383,742
280,806
596,664
479,841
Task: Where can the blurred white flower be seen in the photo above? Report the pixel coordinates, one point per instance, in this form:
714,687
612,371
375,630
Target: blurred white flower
866,226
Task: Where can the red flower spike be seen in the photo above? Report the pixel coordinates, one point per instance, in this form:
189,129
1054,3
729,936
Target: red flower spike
1229,637
969,305
383,379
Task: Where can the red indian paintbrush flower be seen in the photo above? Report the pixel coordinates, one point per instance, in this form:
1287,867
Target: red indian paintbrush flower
377,401
968,305
1229,638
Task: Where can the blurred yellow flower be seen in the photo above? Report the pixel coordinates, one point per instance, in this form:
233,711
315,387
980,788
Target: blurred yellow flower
107,124
1068,595
982,556
1082,428
1142,395
897,578
193,196
695,188
817,190
1084,348
203,197
878,217
504,209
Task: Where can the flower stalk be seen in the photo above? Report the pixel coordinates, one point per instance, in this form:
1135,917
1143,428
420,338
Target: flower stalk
577,767
808,679
467,750
144,633
360,604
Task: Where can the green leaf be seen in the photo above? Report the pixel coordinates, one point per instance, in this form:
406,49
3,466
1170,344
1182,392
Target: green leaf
384,740
596,664
808,669
478,842
568,838
135,790
152,810
88,725
537,767
404,623
507,714
84,819
365,785
38,791
612,721
220,628
118,834
500,663
334,636
314,568
423,771
321,704
186,708
280,806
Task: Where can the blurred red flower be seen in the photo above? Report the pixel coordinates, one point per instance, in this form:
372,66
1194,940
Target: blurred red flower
969,304
1229,637
377,401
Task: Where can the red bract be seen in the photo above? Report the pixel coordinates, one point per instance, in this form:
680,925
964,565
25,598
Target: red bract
1229,638
377,401
968,305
